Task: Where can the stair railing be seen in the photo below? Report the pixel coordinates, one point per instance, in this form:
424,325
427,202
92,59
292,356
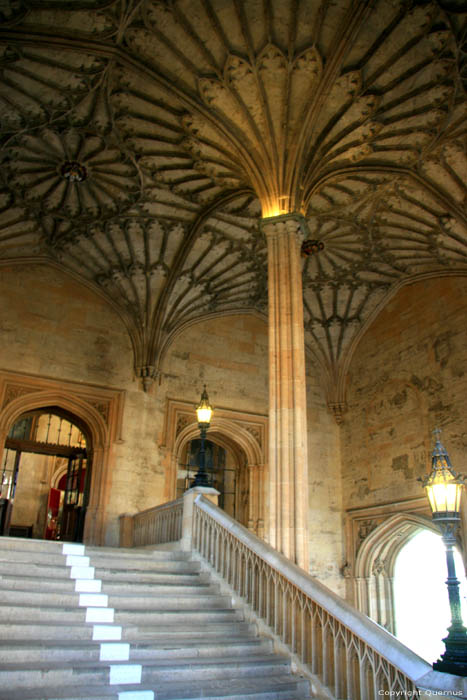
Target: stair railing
155,525
353,657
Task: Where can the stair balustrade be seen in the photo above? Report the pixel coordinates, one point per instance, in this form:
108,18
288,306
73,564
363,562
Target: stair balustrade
158,525
353,657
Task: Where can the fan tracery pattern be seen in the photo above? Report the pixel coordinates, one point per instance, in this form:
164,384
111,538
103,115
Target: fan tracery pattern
192,118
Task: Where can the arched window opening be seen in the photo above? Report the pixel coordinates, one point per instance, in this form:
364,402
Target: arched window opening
45,476
226,473
221,475
422,612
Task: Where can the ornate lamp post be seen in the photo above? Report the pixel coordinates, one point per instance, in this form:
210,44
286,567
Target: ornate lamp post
444,489
203,413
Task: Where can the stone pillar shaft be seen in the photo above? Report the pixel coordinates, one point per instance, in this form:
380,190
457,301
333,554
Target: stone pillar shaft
288,470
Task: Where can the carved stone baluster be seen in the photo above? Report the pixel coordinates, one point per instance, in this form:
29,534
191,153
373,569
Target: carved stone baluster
261,584
293,613
253,576
314,645
339,668
349,673
284,616
327,663
276,605
364,687
303,646
268,601
229,559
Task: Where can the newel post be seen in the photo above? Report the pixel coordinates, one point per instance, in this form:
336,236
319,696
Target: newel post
189,497
126,523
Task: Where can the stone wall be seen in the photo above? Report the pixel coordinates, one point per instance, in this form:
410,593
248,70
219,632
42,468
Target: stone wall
227,354
51,325
408,376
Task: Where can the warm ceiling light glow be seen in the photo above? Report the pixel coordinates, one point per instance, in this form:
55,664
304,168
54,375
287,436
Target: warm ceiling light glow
269,212
277,206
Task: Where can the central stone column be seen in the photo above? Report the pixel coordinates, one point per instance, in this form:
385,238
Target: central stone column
288,463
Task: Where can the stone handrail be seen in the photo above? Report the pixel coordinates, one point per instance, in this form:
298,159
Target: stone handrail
156,525
353,657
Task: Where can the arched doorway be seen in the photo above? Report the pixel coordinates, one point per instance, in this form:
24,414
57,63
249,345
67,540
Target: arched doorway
46,475
244,438
374,566
99,409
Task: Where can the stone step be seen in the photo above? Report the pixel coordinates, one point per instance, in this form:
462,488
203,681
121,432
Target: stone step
52,614
196,630
55,547
25,568
41,614
65,651
26,544
34,583
139,552
274,687
192,572
136,601
170,617
20,675
185,570
166,601
132,633
114,563
202,588
185,636
109,561
18,582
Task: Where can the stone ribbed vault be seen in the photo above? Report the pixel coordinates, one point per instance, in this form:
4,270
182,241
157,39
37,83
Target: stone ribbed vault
192,119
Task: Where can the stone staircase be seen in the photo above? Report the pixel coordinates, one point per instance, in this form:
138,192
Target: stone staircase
102,623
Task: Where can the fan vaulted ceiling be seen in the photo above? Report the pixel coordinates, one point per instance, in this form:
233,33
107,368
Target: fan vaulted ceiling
142,141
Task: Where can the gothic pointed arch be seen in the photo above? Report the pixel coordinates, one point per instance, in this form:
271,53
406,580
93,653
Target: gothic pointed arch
242,433
98,409
374,566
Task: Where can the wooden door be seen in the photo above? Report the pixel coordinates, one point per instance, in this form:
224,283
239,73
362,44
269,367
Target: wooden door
53,509
8,479
73,500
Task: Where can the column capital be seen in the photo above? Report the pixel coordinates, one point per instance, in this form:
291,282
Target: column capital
255,467
338,409
290,223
